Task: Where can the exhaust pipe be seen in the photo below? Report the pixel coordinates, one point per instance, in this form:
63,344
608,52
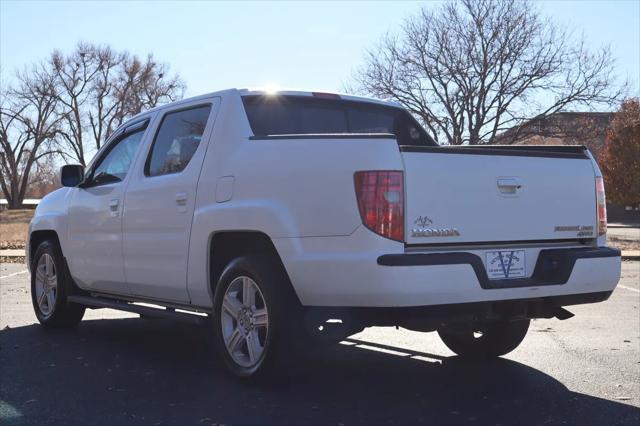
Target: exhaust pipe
548,310
561,313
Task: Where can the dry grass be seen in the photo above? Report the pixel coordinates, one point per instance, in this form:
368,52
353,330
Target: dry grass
13,227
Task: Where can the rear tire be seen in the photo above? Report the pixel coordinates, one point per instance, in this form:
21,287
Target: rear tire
491,341
50,287
255,316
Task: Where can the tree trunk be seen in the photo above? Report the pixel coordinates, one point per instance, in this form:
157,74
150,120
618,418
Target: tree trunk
14,204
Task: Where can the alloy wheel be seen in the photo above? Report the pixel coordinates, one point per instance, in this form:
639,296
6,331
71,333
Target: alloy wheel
244,321
46,284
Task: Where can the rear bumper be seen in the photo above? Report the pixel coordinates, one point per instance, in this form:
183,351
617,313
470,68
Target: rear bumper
336,272
553,266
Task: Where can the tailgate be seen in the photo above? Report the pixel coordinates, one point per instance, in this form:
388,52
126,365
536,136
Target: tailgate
470,195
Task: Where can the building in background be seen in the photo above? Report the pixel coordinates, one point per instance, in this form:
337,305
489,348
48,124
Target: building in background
570,128
561,128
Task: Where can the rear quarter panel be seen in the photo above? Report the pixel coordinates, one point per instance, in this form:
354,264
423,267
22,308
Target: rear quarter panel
292,188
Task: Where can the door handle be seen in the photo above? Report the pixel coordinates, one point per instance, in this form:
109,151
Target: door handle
509,185
181,198
113,206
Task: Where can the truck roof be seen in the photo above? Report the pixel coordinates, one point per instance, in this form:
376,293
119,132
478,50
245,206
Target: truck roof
287,92
258,91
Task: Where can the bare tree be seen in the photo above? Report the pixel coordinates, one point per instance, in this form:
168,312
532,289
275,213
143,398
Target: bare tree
28,126
44,178
74,78
144,85
99,88
124,87
473,68
102,105
68,106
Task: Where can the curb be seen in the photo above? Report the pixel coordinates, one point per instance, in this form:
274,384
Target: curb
623,225
12,259
12,256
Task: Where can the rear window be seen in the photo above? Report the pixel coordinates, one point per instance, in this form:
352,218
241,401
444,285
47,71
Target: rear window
271,115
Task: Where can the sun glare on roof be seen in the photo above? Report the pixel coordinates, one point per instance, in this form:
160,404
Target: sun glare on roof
271,88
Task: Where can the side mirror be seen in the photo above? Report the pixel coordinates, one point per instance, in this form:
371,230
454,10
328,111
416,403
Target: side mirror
71,175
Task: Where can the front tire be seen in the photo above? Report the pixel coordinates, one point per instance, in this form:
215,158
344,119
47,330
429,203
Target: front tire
487,341
50,286
252,312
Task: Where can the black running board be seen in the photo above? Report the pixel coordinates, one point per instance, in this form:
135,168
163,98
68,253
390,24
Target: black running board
159,312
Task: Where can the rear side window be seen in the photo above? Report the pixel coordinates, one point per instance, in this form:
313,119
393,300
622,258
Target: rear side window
301,115
177,140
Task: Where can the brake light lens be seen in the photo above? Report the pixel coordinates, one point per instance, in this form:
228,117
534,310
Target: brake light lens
324,95
380,196
602,206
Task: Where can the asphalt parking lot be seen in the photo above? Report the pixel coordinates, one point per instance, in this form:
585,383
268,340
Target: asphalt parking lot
116,368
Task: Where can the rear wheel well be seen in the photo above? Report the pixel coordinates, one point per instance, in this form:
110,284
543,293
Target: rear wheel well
37,237
228,245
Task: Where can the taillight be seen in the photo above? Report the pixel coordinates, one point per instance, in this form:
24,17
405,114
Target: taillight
324,95
602,206
380,196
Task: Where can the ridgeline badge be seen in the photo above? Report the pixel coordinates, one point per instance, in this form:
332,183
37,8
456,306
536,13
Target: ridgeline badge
423,229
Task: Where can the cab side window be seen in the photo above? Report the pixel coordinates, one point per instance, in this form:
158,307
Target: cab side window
113,167
177,140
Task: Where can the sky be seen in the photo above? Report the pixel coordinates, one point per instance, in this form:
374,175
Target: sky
304,45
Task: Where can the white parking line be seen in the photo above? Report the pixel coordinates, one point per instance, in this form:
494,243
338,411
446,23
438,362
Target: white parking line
629,288
14,274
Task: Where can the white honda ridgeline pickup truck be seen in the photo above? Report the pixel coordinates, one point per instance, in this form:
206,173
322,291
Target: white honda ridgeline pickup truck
295,214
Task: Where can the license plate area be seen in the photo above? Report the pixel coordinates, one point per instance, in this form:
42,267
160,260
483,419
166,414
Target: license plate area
505,264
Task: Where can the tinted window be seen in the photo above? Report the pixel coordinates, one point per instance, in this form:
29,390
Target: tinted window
177,140
292,115
113,167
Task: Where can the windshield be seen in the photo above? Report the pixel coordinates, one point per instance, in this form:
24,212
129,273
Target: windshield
301,115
